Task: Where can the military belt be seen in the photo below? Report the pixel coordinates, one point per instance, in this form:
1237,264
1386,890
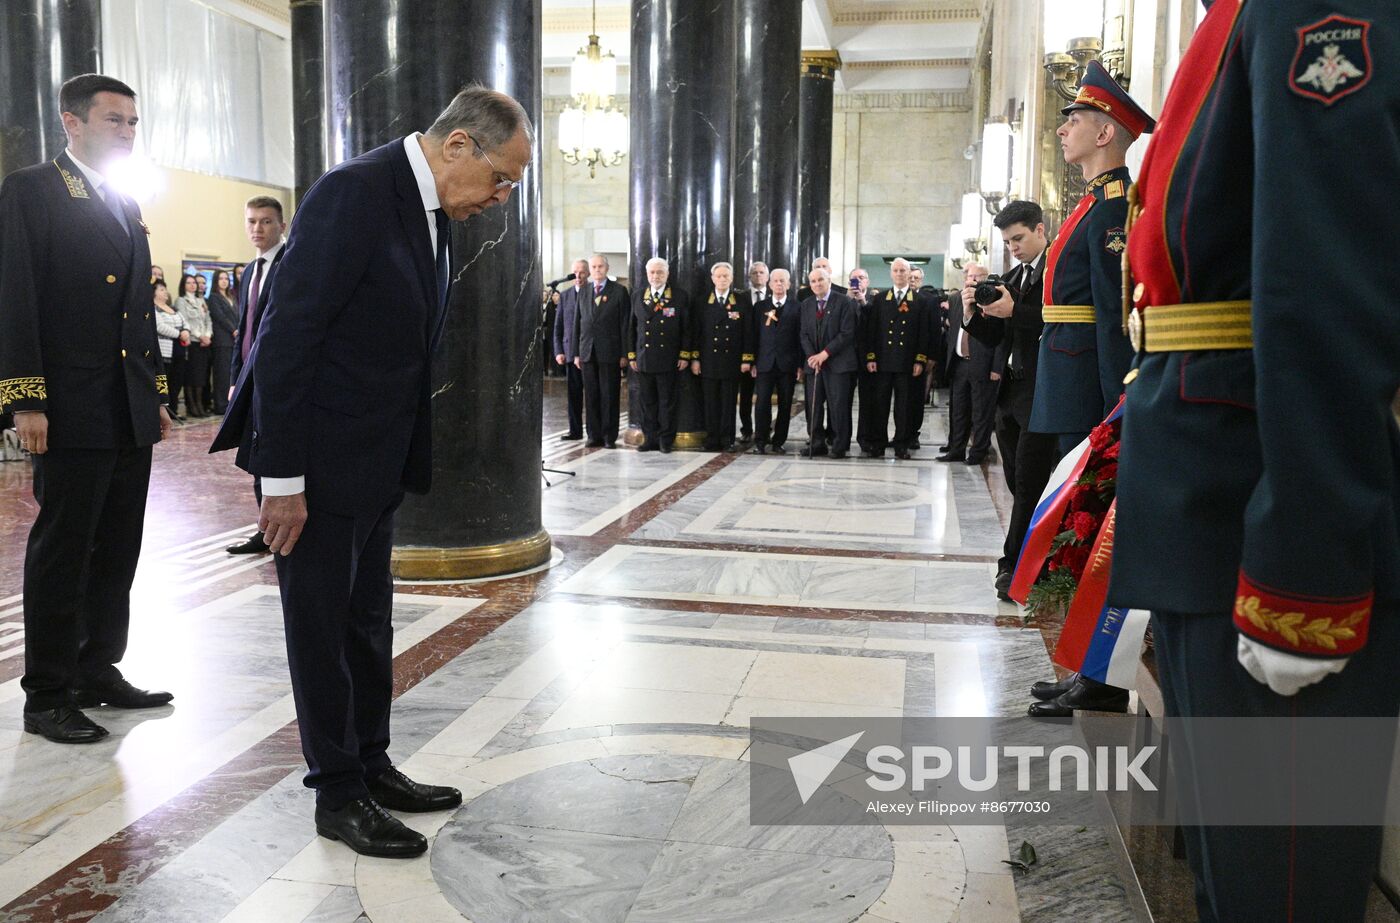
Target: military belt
1068,314
1207,325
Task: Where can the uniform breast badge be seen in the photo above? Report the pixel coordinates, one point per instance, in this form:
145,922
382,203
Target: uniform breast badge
1333,59
1115,241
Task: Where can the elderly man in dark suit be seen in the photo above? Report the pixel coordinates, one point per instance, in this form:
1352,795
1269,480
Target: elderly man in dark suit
604,316
265,225
972,391
1012,328
80,369
778,360
333,413
566,345
829,341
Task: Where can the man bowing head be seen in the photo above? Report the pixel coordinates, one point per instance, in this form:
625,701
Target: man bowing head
332,413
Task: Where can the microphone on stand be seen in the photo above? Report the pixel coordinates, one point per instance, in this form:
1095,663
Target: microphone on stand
569,278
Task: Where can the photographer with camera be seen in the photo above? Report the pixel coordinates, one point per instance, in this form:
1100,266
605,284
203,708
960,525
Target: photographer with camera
1010,322
972,389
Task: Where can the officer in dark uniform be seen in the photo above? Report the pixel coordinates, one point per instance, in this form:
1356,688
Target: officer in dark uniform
895,336
778,359
1084,353
660,333
81,371
1259,481
725,352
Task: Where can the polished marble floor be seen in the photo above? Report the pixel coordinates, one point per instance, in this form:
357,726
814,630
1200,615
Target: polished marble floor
595,714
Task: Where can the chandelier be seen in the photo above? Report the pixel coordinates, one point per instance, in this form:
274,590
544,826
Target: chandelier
591,129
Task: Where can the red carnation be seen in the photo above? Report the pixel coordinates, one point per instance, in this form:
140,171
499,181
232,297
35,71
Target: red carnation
1109,472
1099,437
1075,557
1084,525
1112,451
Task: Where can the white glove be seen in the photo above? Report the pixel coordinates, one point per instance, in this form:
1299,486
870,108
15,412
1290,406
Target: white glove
1284,673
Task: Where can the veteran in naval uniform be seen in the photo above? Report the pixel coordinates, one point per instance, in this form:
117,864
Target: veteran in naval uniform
81,371
1259,484
660,334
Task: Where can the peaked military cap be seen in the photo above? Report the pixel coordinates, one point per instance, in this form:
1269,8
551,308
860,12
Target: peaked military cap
1100,92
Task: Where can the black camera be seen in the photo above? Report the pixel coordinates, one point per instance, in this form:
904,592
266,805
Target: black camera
987,292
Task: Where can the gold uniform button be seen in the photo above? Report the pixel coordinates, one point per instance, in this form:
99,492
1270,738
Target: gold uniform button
123,315
123,354
111,279
148,354
148,317
1130,377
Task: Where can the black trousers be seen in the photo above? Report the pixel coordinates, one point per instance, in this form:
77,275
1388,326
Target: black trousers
898,386
659,391
337,600
577,391
602,388
196,379
745,384
718,395
765,386
1274,873
971,409
867,388
918,394
175,380
78,567
829,409
223,367
1027,459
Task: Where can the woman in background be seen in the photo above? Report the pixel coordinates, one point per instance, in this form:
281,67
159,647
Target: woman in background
224,314
174,339
195,311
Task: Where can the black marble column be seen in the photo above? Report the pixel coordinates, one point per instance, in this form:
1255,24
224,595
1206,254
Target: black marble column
42,44
818,83
308,93
393,65
682,149
769,52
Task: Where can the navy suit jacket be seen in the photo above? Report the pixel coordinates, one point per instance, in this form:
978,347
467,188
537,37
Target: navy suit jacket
602,323
836,333
245,281
566,325
779,346
337,387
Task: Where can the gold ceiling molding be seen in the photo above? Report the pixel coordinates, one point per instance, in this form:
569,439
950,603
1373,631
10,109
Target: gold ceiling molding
919,15
282,12
821,64
924,63
580,20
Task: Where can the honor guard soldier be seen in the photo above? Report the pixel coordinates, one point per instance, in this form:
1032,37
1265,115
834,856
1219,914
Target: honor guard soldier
1259,482
660,334
1084,353
725,350
895,346
80,369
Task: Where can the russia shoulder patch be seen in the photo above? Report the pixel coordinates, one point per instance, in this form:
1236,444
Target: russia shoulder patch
1115,241
1333,59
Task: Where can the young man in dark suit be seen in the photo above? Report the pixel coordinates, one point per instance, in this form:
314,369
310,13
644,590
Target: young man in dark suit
80,370
566,345
829,341
1011,327
333,413
264,224
778,359
601,349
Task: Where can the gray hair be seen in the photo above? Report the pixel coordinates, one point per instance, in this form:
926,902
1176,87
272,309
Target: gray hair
821,271
786,275
820,259
899,259
757,263
600,256
490,117
728,266
656,259
577,261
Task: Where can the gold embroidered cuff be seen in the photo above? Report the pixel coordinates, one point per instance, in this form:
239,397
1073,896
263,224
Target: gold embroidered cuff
21,391
161,386
921,358
746,357
1068,314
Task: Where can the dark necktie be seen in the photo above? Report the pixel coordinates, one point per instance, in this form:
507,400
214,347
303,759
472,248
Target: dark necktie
821,309
251,308
444,268
598,291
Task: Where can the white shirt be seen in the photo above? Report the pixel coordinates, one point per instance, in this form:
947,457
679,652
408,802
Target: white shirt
758,295
427,188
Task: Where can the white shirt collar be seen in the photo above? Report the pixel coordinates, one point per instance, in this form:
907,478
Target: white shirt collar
427,185
95,179
271,254
720,296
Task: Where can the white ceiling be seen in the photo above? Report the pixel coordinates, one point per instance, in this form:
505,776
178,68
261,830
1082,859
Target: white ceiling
884,44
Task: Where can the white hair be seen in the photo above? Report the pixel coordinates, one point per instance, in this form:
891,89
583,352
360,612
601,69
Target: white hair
658,260
600,256
821,271
786,275
757,263
820,259
899,259
728,266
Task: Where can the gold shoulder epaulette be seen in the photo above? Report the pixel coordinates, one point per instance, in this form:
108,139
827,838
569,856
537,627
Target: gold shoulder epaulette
1114,190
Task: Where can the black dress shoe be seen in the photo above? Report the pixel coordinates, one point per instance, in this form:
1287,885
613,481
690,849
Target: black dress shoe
975,460
647,447
951,457
710,447
370,830
871,453
570,437
902,454
913,446
837,453
1045,690
759,450
943,448
811,452
398,792
253,545
732,448
665,449
1003,587
610,444
779,449
1084,695
593,444
119,694
64,725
